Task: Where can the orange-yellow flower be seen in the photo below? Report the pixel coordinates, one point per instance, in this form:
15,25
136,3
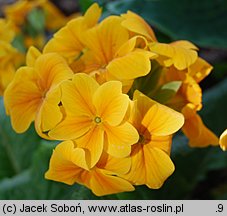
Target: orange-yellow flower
199,135
105,50
223,140
151,163
68,165
33,95
112,55
10,58
6,31
188,100
18,11
54,17
180,54
68,41
95,117
138,26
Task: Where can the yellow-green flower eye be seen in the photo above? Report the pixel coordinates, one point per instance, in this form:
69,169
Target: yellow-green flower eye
98,120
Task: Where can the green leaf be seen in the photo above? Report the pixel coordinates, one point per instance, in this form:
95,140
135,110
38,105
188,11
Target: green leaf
201,21
148,84
18,43
85,4
36,22
15,149
167,91
215,106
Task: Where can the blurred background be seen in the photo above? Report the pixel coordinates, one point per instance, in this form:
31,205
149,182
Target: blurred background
201,173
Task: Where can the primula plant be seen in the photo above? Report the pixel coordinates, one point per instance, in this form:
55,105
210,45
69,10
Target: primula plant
106,95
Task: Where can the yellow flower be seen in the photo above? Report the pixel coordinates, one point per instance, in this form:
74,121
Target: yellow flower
18,11
189,91
138,26
68,165
180,54
33,95
151,163
112,55
223,140
94,115
68,40
10,58
105,50
6,31
55,19
199,135
199,70
188,100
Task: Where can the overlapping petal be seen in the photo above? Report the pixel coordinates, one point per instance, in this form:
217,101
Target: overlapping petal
199,135
114,107
162,121
138,25
120,139
68,41
181,54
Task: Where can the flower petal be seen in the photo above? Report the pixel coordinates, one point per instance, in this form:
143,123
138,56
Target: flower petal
223,140
104,184
52,70
158,166
138,25
181,54
77,95
93,141
111,105
120,139
150,166
31,56
61,167
113,164
161,120
199,135
133,65
22,99
72,127
105,39
200,69
50,113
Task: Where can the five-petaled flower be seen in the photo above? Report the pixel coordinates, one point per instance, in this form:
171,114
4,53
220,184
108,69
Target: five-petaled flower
95,115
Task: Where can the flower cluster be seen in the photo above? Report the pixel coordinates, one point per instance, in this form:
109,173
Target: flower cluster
83,89
20,29
10,57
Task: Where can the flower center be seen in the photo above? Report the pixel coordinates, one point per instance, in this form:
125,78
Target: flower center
97,120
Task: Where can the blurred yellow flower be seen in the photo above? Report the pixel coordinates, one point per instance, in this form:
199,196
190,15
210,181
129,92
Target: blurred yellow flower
32,95
156,123
223,140
55,18
68,165
6,30
18,11
10,59
94,116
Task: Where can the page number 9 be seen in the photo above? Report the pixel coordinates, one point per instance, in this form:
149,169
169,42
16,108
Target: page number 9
220,208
